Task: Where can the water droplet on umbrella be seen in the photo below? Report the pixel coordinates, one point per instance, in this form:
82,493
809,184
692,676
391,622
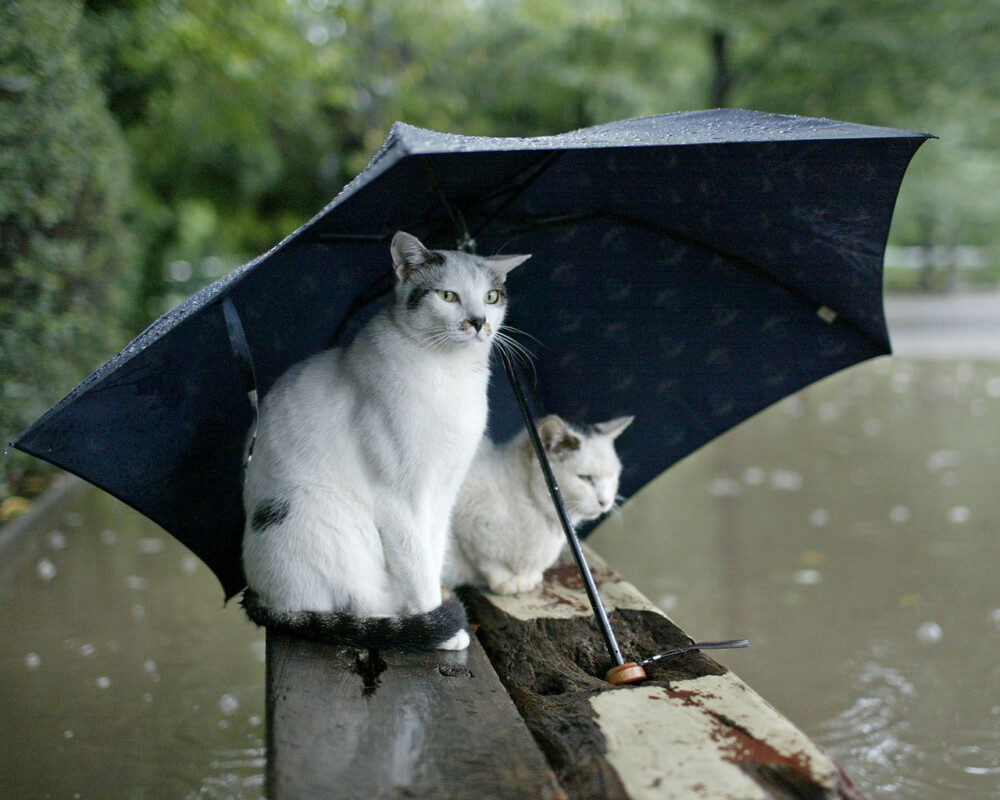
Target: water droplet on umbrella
56,540
929,633
135,582
995,616
103,682
32,661
45,569
149,665
189,565
754,476
108,536
67,734
87,650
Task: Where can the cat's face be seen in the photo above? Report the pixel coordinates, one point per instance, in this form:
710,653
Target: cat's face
450,298
585,464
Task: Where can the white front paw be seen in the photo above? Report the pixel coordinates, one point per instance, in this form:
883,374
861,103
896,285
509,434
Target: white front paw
460,641
517,584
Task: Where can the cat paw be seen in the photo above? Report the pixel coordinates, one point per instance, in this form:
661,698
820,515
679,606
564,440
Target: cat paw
460,641
517,584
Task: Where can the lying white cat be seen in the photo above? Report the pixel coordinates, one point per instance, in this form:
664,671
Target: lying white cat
505,531
359,458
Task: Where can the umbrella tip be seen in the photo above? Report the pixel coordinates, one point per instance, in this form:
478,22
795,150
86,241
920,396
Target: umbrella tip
630,672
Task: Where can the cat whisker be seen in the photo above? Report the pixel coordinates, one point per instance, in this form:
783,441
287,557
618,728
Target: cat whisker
511,328
516,351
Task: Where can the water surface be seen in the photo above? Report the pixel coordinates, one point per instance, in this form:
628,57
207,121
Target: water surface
120,673
851,532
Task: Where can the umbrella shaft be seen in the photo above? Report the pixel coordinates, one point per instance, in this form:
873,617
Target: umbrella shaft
567,524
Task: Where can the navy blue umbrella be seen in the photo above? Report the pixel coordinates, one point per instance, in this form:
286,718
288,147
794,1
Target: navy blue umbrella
689,269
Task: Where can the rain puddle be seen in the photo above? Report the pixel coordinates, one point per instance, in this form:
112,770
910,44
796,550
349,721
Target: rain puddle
851,533
120,673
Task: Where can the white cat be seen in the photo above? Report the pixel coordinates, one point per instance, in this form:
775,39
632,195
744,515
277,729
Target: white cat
359,458
505,531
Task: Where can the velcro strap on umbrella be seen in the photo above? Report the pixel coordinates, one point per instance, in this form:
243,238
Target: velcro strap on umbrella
244,365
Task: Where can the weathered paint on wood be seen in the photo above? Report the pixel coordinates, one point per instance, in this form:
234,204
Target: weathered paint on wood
349,723
693,730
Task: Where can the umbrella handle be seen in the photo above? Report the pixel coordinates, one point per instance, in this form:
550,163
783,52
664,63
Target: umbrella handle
622,672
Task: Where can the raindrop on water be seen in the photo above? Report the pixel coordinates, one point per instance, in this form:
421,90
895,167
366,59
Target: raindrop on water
872,426
150,545
668,602
45,569
929,633
725,487
228,704
785,480
808,577
899,514
958,514
819,518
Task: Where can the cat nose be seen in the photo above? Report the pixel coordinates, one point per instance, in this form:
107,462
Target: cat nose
477,323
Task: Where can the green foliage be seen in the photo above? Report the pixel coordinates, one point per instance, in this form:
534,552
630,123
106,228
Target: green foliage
243,118
63,183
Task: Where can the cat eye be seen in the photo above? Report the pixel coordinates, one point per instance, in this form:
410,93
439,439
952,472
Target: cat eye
447,295
586,478
493,296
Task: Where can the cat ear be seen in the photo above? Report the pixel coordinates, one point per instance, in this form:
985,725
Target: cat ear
501,265
615,427
556,436
409,255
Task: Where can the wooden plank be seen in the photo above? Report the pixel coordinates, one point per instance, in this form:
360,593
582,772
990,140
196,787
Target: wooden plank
693,730
349,723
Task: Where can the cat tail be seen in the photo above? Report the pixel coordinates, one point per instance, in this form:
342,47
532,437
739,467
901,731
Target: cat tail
412,632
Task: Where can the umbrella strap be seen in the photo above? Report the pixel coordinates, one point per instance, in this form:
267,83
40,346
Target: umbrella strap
244,365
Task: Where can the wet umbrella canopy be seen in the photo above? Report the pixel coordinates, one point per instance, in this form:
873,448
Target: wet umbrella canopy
689,269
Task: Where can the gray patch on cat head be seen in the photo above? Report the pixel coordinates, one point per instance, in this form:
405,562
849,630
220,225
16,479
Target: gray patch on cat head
268,514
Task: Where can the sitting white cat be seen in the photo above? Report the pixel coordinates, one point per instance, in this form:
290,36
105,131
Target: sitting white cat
359,458
505,531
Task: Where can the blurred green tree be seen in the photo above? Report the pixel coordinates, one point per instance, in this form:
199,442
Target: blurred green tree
64,247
